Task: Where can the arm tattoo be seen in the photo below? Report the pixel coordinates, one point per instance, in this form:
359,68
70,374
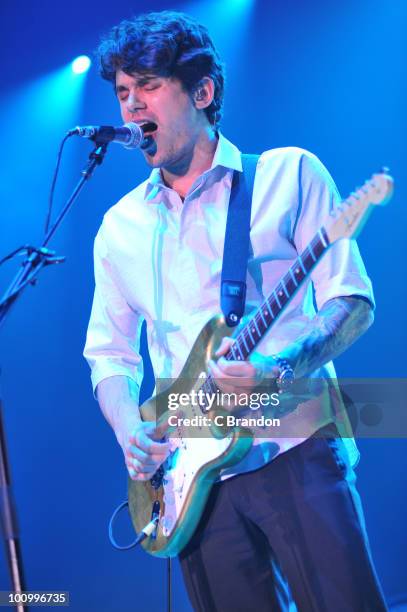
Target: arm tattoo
335,327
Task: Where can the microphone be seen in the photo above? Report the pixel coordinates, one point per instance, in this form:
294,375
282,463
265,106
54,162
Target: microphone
130,135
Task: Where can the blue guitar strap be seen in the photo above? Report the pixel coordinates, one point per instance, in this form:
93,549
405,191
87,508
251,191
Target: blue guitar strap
237,248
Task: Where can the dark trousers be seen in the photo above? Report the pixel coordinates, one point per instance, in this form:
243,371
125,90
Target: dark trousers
299,517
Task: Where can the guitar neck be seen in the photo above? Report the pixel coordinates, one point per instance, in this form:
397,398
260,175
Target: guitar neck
269,311
346,221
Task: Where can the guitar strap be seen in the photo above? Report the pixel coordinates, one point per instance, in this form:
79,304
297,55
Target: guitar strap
237,248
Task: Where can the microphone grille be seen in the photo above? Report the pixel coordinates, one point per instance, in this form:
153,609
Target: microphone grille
136,135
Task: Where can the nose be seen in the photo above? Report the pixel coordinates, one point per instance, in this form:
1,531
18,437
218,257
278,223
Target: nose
134,103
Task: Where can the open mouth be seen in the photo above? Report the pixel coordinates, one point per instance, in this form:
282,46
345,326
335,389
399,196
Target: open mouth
148,127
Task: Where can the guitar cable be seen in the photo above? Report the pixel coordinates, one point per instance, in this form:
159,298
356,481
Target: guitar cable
146,532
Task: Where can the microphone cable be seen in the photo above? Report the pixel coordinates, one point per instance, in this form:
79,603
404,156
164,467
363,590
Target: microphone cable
53,184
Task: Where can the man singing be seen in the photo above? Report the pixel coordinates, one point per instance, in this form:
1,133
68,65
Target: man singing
289,512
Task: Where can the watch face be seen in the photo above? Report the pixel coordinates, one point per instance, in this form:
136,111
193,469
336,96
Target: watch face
286,378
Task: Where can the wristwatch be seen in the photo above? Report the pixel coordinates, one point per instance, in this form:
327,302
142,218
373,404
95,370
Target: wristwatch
286,375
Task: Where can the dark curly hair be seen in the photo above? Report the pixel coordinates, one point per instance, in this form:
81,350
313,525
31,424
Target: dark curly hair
169,44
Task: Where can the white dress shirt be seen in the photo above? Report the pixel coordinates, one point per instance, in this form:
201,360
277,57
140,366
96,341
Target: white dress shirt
159,259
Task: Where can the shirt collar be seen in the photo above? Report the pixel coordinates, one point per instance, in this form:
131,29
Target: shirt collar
227,155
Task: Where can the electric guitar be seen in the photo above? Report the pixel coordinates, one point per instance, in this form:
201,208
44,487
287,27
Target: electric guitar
174,498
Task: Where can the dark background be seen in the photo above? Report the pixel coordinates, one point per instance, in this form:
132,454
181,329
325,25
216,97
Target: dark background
329,77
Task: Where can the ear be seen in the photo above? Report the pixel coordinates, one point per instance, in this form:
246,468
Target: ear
204,92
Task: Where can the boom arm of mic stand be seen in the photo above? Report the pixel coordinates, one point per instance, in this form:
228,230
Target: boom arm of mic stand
35,262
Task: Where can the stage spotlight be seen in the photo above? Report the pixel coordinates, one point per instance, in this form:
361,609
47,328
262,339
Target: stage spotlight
81,64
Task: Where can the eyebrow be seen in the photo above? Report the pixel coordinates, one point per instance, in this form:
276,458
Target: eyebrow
120,88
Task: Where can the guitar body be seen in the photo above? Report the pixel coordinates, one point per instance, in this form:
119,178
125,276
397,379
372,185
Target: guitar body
200,454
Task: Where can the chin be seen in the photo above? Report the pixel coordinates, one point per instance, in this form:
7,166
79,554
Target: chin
155,159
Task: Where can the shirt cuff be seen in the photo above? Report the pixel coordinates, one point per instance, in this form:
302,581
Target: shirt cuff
337,286
101,372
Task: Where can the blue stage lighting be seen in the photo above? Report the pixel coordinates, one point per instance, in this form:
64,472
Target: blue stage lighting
81,64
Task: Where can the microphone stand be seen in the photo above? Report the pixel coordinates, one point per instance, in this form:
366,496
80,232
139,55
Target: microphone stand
41,256
37,259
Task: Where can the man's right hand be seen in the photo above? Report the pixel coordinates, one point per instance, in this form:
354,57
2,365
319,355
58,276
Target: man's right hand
143,451
140,440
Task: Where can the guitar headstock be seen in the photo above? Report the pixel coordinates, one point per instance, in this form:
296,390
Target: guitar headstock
348,217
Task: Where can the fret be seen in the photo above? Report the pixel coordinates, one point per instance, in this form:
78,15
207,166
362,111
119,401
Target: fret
317,247
267,310
297,273
308,260
322,237
302,265
277,300
249,330
282,283
282,295
311,250
262,326
244,341
253,331
270,306
248,338
260,311
238,357
241,354
290,283
242,349
255,324
293,277
250,335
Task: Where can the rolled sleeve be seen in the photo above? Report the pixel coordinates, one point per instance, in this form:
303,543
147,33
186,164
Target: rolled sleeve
341,271
113,336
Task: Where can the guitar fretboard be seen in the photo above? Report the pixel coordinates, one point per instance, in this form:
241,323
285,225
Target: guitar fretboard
269,311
